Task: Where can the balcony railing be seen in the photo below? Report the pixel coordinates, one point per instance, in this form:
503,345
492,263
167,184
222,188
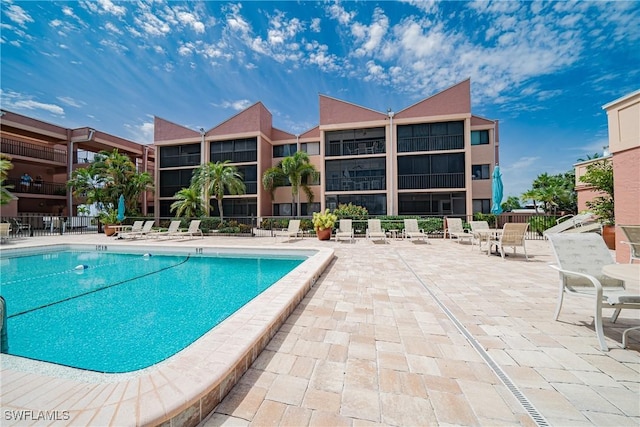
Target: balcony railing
356,148
430,143
436,180
25,149
356,183
45,187
235,156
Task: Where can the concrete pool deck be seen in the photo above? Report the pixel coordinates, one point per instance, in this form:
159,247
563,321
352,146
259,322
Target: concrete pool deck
372,344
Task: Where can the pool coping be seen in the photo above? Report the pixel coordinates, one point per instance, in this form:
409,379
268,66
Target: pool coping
181,390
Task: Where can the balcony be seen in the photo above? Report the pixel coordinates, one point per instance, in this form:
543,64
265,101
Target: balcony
235,156
430,143
33,151
45,188
364,183
436,180
356,148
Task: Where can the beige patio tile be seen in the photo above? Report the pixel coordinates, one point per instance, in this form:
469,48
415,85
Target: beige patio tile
328,376
269,414
324,419
242,401
322,400
452,408
361,373
296,416
402,410
288,389
360,403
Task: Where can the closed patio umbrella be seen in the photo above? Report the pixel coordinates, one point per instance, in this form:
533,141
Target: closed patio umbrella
120,216
497,190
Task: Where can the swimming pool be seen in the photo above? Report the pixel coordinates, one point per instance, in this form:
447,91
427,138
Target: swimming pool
112,311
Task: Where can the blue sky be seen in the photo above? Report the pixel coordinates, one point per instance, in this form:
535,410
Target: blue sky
543,69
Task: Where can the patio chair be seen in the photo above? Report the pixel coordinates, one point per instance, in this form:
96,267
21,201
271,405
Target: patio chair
513,236
412,231
174,227
569,223
193,230
455,229
144,231
632,234
345,230
579,260
5,229
476,226
17,227
292,231
374,230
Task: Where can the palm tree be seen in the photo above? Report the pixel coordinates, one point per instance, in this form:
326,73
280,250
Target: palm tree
188,203
298,170
5,166
213,179
108,176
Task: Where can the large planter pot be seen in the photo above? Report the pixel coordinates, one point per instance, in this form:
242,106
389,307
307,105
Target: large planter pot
324,234
108,230
609,236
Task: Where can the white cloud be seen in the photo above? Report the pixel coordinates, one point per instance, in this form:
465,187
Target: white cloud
191,20
70,101
315,25
238,105
112,28
152,25
337,12
107,6
141,133
18,15
20,102
371,36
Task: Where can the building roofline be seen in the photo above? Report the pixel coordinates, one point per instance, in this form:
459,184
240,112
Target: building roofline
435,94
352,103
621,99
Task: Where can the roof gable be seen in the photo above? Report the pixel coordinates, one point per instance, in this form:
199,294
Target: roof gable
255,118
453,100
334,111
164,130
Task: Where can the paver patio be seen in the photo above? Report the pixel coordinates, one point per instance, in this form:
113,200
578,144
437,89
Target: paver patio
370,344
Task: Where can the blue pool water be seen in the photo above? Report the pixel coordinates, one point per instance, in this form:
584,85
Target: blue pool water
124,312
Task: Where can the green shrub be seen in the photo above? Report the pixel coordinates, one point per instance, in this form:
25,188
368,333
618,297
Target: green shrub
490,218
539,223
351,211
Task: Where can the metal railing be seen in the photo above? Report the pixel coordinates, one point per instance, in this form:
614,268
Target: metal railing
430,143
437,180
44,187
34,151
30,225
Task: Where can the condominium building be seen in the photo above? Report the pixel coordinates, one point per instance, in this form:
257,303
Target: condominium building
430,158
47,154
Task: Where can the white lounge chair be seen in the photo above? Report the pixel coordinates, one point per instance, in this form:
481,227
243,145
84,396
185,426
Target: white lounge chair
144,231
412,231
455,229
345,230
632,234
193,230
512,236
374,230
174,227
292,231
476,228
5,229
569,223
579,260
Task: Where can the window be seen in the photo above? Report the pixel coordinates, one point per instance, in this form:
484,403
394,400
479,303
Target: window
482,206
172,181
180,155
310,181
311,148
284,150
480,172
282,209
431,137
307,209
235,150
479,137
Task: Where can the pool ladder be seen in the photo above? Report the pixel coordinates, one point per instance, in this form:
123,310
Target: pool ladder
3,326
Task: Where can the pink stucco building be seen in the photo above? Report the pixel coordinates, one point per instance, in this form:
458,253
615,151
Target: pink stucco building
431,158
624,144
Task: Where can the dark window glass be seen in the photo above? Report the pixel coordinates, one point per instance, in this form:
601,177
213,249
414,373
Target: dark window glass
482,206
284,150
235,150
431,137
172,181
479,137
480,172
180,155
